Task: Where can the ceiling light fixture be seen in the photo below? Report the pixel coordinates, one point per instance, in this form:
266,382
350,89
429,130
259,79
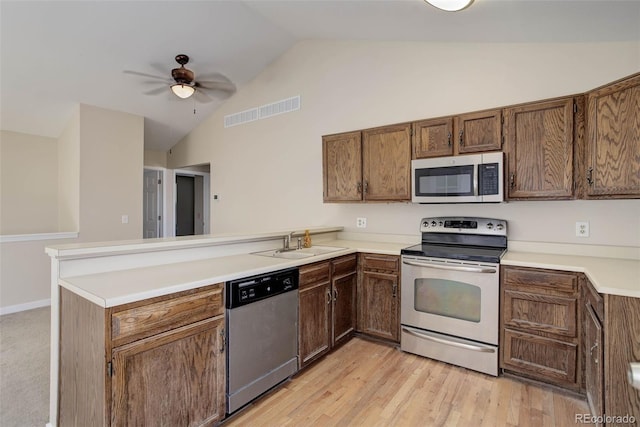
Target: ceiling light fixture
182,90
450,5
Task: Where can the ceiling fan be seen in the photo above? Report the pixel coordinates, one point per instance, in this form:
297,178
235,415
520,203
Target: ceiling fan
184,85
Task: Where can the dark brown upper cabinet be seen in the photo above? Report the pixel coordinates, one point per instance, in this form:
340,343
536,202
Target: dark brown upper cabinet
539,150
612,161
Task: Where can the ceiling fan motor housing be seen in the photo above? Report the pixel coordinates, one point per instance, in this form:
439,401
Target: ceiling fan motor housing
182,75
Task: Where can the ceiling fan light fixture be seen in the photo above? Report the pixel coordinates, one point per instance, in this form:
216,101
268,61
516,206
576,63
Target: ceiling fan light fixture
450,5
182,91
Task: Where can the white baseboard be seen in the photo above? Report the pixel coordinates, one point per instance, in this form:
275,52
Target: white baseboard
24,307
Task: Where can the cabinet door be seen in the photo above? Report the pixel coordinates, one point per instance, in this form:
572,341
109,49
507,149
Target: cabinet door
342,167
344,306
174,378
613,140
386,163
594,369
379,305
433,138
479,131
539,150
315,316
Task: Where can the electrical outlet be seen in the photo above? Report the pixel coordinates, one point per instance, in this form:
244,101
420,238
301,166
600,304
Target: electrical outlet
361,222
125,219
582,228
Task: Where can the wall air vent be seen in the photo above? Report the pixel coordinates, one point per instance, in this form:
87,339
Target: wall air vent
262,112
241,117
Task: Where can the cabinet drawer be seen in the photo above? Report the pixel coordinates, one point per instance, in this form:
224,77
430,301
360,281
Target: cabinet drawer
141,320
541,358
380,262
314,273
547,280
541,313
344,265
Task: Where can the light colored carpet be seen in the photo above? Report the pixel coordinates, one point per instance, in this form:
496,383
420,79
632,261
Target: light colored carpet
24,368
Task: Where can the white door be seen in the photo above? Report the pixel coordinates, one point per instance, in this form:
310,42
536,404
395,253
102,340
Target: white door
152,203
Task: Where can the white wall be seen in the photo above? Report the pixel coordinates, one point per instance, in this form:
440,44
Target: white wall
111,174
69,175
28,194
268,173
100,178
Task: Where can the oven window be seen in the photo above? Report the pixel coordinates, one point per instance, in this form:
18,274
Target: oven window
448,298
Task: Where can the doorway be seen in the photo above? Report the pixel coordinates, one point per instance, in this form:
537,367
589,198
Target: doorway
191,202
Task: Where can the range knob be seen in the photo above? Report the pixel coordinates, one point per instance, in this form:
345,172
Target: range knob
433,223
490,225
425,224
440,223
499,226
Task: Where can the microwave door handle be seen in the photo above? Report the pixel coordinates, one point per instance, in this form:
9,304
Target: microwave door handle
476,178
451,267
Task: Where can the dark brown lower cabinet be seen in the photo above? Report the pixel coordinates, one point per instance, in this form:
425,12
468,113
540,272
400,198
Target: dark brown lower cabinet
540,328
594,367
314,311
379,296
156,362
170,379
327,307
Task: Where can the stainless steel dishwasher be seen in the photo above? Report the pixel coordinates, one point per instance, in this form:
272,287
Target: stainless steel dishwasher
262,334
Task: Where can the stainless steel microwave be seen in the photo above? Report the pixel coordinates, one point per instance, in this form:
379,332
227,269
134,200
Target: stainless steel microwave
474,178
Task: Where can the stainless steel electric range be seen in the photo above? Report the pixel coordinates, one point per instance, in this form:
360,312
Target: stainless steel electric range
450,291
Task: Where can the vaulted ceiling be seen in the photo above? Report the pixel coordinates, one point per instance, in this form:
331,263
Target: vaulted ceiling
56,54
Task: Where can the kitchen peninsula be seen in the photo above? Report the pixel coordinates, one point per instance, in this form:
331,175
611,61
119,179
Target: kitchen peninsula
188,274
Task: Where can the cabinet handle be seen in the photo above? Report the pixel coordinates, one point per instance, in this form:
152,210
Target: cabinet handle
328,297
449,139
335,294
590,176
359,187
395,290
461,139
223,339
366,187
593,347
512,180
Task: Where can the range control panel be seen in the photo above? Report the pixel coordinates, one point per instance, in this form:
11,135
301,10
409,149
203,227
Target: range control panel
464,225
251,289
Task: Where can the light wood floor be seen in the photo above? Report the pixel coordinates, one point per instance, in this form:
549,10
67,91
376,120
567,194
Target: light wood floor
366,383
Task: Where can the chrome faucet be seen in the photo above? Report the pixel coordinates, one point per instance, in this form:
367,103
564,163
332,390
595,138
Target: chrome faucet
286,243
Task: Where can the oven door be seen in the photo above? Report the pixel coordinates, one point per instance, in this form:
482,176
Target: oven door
456,298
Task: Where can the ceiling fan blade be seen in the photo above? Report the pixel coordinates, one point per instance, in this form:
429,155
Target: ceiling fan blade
137,73
214,77
201,96
217,85
161,68
155,91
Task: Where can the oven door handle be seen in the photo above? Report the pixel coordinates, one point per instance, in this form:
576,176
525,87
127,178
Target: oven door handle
451,267
430,337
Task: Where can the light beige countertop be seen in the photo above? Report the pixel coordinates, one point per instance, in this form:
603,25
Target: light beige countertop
113,288
608,275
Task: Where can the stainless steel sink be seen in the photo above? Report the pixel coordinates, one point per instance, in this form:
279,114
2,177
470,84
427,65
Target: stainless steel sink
299,253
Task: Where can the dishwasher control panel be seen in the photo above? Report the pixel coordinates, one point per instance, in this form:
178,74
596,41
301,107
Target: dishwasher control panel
255,288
